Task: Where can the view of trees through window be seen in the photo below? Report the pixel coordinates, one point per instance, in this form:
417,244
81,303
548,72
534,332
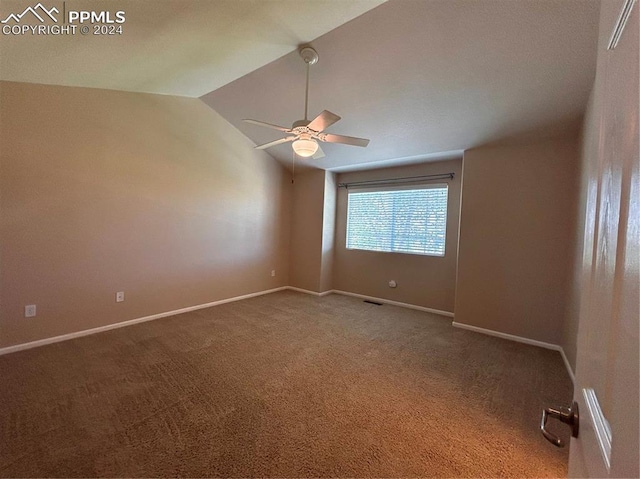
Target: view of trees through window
399,220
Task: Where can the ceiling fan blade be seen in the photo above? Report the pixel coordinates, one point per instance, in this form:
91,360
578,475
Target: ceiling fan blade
276,142
346,140
323,120
268,125
318,154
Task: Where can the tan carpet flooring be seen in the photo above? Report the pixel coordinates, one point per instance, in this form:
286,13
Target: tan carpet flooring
282,385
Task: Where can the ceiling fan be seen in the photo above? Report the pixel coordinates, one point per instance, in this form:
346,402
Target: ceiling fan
304,133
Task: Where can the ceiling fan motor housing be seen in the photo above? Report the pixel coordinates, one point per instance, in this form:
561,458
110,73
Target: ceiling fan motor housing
300,123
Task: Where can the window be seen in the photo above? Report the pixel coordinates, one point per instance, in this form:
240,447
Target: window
399,220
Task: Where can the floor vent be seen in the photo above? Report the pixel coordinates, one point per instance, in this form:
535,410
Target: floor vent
372,302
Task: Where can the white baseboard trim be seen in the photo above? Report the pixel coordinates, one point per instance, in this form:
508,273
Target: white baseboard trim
307,291
394,303
122,324
511,337
568,366
130,322
520,339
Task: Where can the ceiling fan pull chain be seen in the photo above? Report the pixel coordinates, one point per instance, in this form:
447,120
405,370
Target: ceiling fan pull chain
293,167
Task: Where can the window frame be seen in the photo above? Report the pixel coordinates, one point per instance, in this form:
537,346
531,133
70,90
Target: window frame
405,187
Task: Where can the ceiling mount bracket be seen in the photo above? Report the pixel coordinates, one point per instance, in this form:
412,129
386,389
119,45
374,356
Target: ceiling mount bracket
309,55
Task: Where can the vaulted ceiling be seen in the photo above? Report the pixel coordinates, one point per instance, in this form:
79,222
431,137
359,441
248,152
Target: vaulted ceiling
422,79
173,47
427,79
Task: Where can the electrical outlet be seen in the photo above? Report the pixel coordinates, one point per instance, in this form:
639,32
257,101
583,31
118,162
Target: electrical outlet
273,272
119,296
30,311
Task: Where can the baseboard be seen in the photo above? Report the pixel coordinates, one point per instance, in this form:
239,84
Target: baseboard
122,324
520,339
307,291
568,366
130,322
394,303
372,298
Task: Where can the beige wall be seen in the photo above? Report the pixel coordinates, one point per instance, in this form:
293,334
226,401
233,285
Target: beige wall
427,281
328,231
589,145
158,196
104,191
306,229
517,238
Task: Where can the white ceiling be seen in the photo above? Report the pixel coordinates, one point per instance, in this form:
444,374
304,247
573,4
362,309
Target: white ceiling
175,47
423,79
426,79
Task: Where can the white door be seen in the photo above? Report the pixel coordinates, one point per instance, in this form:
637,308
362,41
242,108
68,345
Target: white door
607,371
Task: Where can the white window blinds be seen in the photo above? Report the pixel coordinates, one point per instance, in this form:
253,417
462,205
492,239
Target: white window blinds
407,220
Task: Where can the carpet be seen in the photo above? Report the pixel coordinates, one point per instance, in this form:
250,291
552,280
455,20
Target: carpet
286,385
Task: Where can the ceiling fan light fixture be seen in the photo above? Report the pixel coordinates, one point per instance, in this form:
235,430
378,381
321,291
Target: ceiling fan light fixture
305,147
305,133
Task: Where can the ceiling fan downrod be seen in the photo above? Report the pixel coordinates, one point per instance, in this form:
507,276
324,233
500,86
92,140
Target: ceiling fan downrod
310,57
304,135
